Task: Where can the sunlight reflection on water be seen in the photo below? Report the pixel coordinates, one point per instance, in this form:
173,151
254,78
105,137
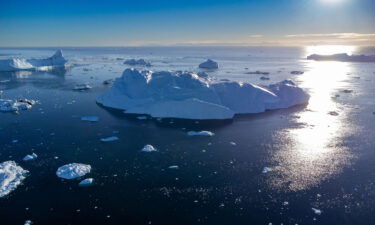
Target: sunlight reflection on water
314,151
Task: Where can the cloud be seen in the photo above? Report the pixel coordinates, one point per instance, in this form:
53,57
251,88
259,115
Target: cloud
332,36
256,36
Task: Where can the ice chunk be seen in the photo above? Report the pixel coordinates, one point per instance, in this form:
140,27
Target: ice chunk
16,64
316,211
186,95
7,105
73,170
90,118
109,139
137,62
173,167
200,133
30,157
148,148
28,222
142,117
109,81
266,170
11,175
258,72
343,57
86,182
209,64
82,87
264,78
297,72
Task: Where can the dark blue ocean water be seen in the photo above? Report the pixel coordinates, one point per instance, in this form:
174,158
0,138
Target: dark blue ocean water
317,160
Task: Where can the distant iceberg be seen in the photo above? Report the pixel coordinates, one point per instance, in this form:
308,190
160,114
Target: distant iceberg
137,62
16,64
342,57
209,64
11,175
186,95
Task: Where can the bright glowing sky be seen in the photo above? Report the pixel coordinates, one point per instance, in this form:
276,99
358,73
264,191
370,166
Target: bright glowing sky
170,22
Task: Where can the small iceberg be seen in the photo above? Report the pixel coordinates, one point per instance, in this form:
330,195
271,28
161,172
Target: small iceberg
148,148
90,118
342,57
209,64
86,182
200,133
109,139
185,95
297,72
73,170
317,211
266,170
107,82
173,167
82,87
28,222
30,157
137,62
7,105
16,64
11,175
264,78
258,73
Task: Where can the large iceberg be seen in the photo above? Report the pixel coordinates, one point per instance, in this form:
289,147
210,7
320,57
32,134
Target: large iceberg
16,64
11,175
343,57
186,95
8,105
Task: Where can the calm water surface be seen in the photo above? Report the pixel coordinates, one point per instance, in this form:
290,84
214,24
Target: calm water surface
316,159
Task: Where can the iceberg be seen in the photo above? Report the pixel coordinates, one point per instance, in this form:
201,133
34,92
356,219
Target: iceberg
73,170
200,133
137,62
86,182
148,148
7,105
82,87
16,64
185,95
109,139
30,157
209,64
11,175
342,57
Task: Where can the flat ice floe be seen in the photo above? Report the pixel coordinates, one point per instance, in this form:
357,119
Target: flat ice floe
73,170
8,105
16,64
209,64
30,157
343,57
86,182
11,175
186,95
200,133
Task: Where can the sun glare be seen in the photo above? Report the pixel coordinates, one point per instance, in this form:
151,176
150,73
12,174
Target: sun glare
330,49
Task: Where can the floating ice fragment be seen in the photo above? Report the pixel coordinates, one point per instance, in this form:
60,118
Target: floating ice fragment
264,78
333,113
90,118
109,139
317,211
266,170
7,105
30,157
86,182
258,73
11,175
142,117
233,143
209,64
296,72
81,87
173,167
73,170
28,222
148,148
200,133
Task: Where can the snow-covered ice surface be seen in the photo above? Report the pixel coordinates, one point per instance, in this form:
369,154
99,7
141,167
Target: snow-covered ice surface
15,64
186,95
11,175
73,170
343,57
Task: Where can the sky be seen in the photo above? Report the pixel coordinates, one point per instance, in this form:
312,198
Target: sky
186,22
